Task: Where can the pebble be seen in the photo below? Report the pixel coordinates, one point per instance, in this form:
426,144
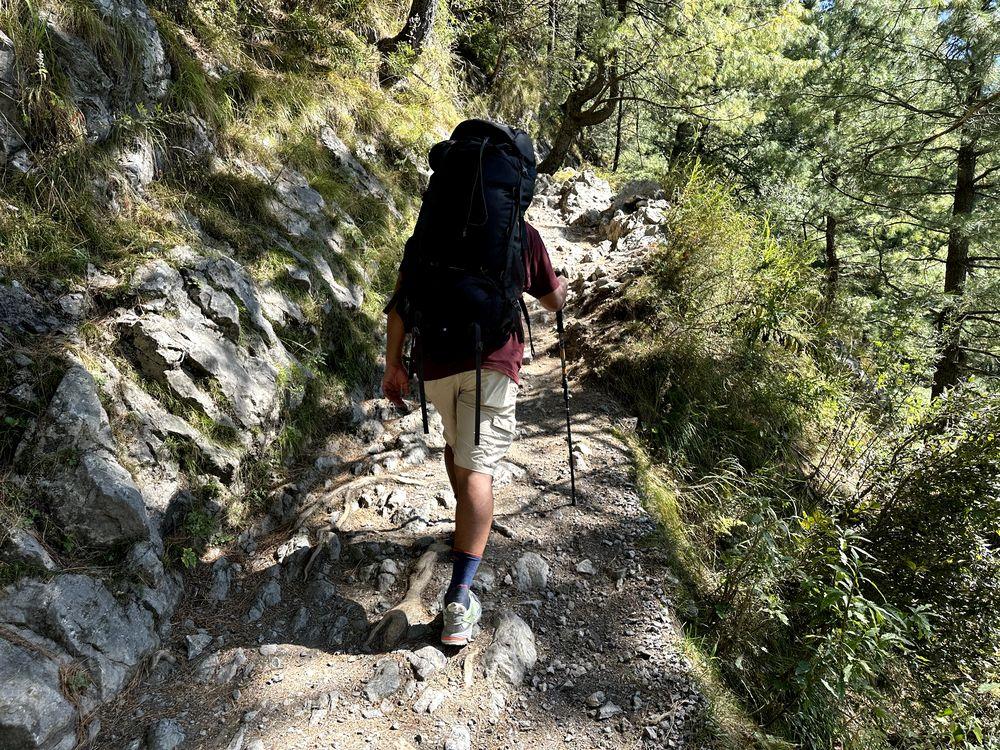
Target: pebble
608,710
459,739
586,567
166,734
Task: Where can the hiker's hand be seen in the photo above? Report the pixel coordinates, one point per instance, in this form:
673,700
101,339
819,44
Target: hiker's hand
396,383
556,299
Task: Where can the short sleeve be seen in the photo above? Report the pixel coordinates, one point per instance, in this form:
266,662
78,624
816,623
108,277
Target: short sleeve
540,278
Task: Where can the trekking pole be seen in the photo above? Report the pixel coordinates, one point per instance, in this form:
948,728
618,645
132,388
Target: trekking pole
565,385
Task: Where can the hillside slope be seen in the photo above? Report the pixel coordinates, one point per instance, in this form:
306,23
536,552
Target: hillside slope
197,202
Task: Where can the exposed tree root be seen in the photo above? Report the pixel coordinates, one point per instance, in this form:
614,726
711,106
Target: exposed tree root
395,624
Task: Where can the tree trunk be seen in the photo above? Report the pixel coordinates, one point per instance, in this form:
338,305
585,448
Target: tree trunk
415,34
553,22
683,140
618,136
832,261
951,357
561,144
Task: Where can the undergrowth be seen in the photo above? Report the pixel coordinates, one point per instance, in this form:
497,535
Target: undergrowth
797,502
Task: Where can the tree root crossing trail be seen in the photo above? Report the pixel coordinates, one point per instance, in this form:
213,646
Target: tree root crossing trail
320,630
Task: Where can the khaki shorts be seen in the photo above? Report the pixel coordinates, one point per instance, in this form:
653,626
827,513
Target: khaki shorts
454,398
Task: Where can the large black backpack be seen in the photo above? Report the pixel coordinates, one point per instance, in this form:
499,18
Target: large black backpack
462,274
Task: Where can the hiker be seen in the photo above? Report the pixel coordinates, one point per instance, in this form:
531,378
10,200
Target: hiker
459,293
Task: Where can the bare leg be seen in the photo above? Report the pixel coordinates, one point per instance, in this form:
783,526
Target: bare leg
449,465
474,514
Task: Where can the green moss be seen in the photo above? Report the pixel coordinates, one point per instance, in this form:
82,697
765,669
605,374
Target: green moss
660,496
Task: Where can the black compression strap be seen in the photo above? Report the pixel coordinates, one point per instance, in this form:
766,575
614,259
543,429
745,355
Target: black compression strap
527,320
479,376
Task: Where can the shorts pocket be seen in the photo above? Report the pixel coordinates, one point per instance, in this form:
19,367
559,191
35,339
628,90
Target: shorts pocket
499,391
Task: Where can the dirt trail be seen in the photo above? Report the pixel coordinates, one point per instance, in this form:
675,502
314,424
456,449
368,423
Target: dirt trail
609,672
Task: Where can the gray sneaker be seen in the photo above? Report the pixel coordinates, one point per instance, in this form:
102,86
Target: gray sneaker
459,621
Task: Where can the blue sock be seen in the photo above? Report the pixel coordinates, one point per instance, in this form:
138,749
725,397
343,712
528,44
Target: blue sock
463,570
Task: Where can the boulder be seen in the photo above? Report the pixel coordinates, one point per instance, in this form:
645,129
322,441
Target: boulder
34,713
512,652
531,572
21,548
582,193
71,457
79,613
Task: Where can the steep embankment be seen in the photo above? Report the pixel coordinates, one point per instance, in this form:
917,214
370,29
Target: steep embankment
188,249
322,633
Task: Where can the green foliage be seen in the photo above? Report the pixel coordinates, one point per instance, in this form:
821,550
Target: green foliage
189,559
836,550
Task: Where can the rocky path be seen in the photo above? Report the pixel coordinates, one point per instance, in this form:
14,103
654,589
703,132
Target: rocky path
579,647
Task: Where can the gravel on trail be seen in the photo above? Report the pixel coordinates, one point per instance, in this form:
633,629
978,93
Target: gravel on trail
579,644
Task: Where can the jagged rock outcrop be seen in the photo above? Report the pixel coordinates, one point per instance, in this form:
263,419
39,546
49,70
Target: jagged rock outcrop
73,629
96,83
70,459
179,372
583,197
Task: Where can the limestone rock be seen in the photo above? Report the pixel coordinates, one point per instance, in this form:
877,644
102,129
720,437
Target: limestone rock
221,579
81,615
166,734
11,137
218,306
354,169
512,652
586,567
72,455
531,572
607,711
386,681
267,596
427,661
583,193
430,700
196,643
34,713
21,548
459,739
21,312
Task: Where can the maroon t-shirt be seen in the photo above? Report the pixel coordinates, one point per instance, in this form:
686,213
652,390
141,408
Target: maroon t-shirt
539,280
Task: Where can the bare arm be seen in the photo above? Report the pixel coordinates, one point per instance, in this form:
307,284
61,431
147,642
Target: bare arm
395,334
556,299
395,381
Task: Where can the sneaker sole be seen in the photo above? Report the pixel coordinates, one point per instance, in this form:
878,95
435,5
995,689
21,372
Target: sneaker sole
456,640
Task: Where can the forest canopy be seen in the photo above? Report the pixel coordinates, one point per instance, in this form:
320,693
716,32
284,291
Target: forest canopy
838,523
